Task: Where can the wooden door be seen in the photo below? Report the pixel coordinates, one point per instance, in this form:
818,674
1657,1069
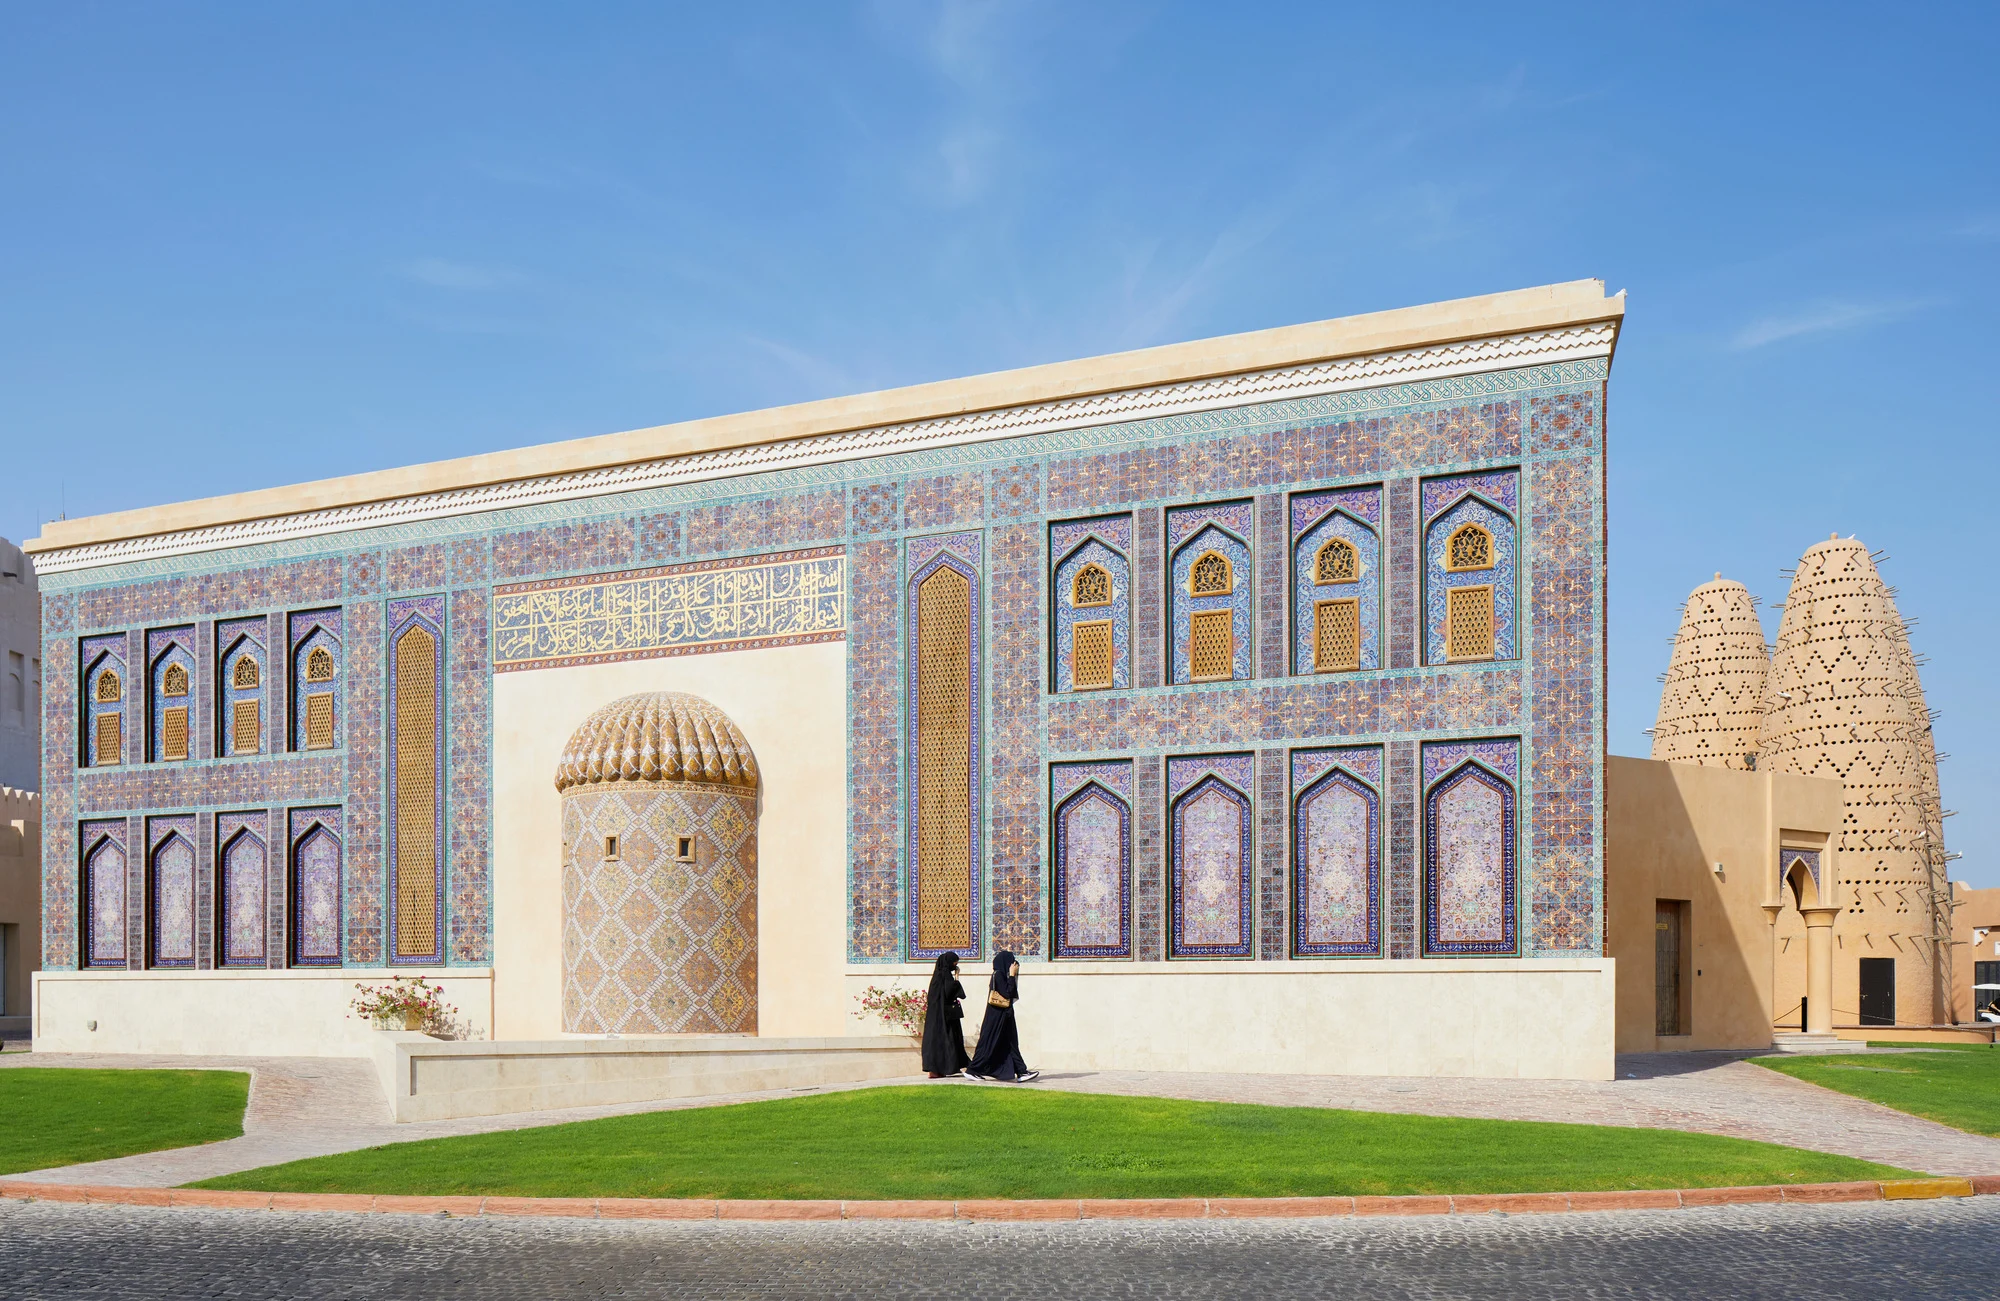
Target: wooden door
1878,991
1667,999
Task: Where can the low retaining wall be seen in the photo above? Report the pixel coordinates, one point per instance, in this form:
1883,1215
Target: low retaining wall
435,1079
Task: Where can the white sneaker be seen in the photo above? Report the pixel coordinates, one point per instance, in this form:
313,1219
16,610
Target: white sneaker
1027,1076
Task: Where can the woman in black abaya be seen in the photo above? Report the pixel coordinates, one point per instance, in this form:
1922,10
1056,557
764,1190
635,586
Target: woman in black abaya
944,1020
999,1042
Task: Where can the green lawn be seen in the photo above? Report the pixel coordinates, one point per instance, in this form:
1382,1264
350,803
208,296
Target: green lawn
62,1117
1956,1085
959,1141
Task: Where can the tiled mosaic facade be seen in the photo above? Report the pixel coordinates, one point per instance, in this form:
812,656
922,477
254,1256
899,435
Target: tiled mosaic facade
1523,446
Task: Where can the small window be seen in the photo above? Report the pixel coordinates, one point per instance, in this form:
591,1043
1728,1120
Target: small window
1090,655
319,665
1470,547
174,732
109,689
245,727
610,847
174,682
319,721
110,740
1210,575
1337,562
684,849
245,672
1092,586
1211,645
1468,623
1336,636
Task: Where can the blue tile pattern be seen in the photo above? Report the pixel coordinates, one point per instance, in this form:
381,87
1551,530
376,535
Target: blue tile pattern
1317,518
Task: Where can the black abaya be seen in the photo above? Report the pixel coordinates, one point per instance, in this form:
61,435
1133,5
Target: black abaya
944,1019
999,1056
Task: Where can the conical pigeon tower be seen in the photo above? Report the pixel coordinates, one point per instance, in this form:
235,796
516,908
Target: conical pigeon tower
1843,702
1712,706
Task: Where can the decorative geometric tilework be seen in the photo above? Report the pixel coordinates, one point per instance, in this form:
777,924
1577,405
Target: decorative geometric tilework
469,801
1016,630
1227,575
1337,852
568,548
1212,890
242,870
1469,847
315,887
364,732
170,670
318,679
945,800
1092,584
1091,814
107,690
104,892
416,778
170,892
1500,487
1342,519
1789,858
240,686
1462,509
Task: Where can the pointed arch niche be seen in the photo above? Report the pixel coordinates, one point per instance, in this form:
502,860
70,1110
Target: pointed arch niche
1337,852
1336,580
316,880
243,867
242,670
104,891
105,693
1209,816
944,606
318,670
1091,830
170,892
1090,603
1210,580
170,673
416,779
1470,821
1470,559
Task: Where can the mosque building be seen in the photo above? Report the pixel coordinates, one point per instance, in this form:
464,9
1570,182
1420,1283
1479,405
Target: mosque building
1250,690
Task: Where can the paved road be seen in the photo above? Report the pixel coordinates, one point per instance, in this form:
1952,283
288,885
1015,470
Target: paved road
1815,1253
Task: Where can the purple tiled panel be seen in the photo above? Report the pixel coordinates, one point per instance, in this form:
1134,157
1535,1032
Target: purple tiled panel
873,754
316,886
659,537
277,891
105,892
135,892
1092,821
563,548
1337,852
1015,751
364,574
468,715
1567,422
1147,582
944,501
1567,743
201,724
364,808
416,569
61,865
1470,837
764,524
466,562
1402,564
1014,491
292,777
1269,654
1271,853
407,617
287,583
924,558
1150,866
243,872
1402,784
875,508
170,891
1210,817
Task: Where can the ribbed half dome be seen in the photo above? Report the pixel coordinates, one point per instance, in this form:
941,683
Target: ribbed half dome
1713,702
658,736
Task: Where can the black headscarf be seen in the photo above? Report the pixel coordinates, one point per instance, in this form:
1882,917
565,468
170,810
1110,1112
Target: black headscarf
943,976
1003,982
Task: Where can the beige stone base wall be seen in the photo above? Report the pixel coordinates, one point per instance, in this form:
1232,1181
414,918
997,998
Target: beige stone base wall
230,1013
1502,1018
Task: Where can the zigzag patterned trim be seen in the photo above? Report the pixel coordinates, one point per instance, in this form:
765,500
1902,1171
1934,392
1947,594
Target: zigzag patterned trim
1469,357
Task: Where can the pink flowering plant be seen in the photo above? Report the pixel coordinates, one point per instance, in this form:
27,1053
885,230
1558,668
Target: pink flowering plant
901,1009
408,1001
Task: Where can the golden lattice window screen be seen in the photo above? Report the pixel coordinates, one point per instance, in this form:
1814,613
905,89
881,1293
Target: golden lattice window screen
110,739
1211,645
944,761
1210,575
416,794
1468,623
1337,563
174,733
245,727
1471,547
245,672
319,721
1090,655
108,687
1092,586
319,665
174,682
1336,635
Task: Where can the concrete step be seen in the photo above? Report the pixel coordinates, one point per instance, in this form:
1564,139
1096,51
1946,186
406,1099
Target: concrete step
1797,1041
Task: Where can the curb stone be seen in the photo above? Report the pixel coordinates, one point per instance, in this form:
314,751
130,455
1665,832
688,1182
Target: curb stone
1165,1208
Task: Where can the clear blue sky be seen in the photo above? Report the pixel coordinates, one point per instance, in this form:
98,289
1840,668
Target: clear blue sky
244,245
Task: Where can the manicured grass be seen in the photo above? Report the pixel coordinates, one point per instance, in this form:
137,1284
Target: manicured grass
968,1141
63,1117
1953,1084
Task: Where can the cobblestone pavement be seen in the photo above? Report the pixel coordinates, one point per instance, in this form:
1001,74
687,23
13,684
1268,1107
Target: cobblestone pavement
313,1106
1942,1249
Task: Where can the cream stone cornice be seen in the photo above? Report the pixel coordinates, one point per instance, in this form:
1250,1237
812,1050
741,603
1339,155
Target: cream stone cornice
1500,331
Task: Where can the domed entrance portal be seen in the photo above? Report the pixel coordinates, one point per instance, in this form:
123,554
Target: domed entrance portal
659,819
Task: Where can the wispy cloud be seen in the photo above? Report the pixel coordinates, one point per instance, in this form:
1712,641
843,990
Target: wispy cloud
1824,318
440,274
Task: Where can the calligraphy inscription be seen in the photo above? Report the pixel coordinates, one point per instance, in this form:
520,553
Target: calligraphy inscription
743,604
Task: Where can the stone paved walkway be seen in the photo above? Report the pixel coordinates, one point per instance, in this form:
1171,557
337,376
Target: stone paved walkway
304,1107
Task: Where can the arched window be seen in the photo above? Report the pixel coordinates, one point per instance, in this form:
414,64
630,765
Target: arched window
1337,562
109,689
1092,586
319,665
245,672
1211,575
1470,547
174,682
